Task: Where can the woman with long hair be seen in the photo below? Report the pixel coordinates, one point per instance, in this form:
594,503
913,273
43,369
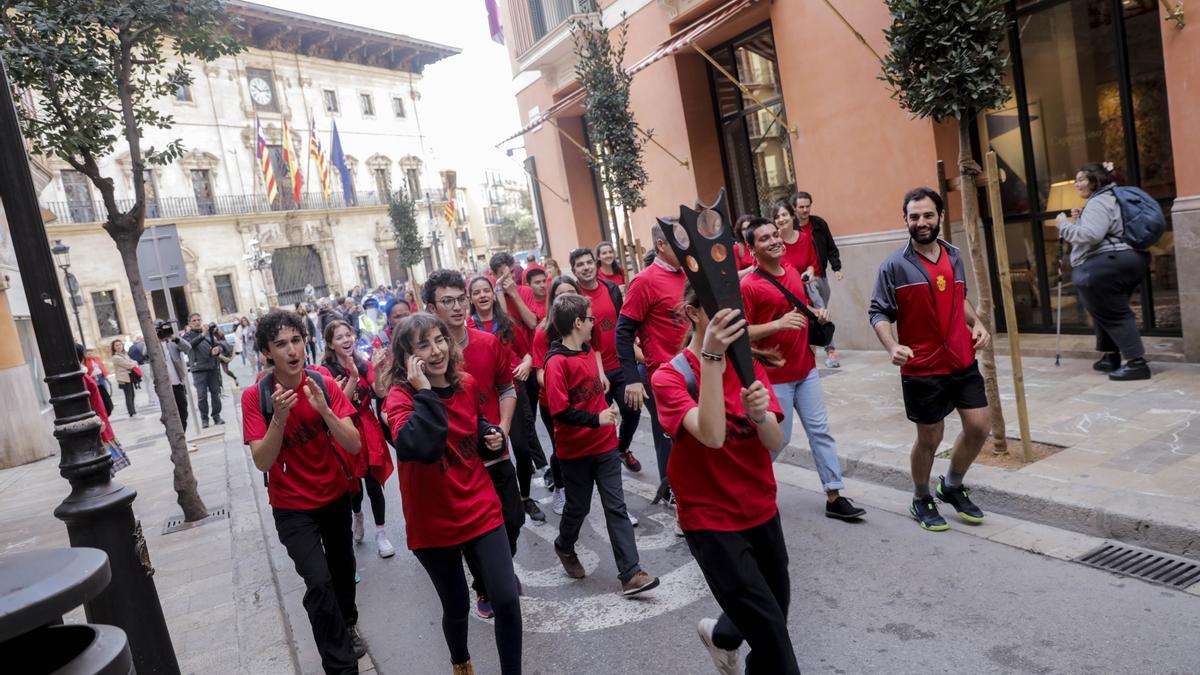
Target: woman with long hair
724,486
371,468
123,366
799,251
553,271
450,506
1106,271
609,268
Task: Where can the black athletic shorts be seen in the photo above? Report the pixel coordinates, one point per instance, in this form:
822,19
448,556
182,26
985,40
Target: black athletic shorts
929,398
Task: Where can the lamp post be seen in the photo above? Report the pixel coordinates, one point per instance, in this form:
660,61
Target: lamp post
98,512
62,258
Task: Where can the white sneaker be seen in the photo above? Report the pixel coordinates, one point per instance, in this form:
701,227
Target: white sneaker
560,500
386,550
358,528
632,518
725,660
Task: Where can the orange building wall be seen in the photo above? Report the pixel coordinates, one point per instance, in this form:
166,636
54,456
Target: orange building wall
1181,54
857,152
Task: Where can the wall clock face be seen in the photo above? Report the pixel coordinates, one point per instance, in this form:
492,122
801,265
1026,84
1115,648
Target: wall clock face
260,91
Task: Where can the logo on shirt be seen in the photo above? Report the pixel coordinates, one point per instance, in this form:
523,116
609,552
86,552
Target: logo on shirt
467,448
585,392
941,282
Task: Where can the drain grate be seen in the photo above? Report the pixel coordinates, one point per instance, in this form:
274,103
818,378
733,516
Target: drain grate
177,524
1157,568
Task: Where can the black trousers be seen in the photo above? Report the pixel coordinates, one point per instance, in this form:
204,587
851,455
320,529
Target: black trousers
181,402
492,558
504,480
129,392
1105,281
105,395
555,465
662,442
538,453
747,572
604,472
629,417
319,542
374,491
208,384
525,445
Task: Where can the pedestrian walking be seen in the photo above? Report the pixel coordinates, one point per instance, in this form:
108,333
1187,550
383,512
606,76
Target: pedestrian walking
606,299
451,510
487,361
244,335
922,317
721,475
772,297
1106,271
649,313
298,424
827,256
137,352
124,369
93,365
586,444
173,351
108,439
205,366
371,467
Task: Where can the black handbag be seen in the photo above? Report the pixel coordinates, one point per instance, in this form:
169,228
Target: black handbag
819,334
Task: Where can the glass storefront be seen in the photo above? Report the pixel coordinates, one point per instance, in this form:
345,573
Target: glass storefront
1088,86
755,146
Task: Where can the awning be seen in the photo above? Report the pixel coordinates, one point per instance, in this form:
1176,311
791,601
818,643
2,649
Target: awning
680,40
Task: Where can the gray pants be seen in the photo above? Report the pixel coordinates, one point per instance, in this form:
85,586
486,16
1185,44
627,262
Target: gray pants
208,383
1104,282
818,295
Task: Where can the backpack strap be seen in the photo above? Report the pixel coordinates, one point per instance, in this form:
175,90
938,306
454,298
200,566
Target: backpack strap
791,297
684,368
265,404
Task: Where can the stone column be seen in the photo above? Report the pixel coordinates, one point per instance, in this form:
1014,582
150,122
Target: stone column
1185,216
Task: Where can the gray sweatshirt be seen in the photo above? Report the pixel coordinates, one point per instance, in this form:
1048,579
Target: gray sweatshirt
1098,228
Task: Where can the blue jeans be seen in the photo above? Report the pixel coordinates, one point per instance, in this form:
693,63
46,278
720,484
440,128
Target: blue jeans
804,397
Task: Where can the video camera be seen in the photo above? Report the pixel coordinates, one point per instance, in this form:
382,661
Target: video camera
163,329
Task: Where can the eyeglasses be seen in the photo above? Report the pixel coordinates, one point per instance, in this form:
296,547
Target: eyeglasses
453,301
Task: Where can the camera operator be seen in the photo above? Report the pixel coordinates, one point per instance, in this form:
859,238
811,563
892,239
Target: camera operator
173,349
205,360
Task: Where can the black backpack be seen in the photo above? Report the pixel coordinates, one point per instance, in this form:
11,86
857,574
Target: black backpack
266,404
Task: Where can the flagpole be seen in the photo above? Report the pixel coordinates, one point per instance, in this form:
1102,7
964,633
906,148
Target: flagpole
311,126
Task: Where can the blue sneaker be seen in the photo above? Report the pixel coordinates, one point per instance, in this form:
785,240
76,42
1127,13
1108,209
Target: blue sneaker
926,514
483,607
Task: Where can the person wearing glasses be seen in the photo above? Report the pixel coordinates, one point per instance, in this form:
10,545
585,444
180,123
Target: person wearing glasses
488,362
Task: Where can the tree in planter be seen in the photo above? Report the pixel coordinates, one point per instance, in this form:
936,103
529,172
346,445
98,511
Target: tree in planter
95,69
946,61
612,131
403,214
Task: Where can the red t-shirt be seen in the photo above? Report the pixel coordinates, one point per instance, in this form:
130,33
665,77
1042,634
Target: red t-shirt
517,345
541,345
744,256
452,500
605,313
941,273
764,303
374,455
652,298
488,362
520,330
727,489
538,307
310,470
801,254
573,381
617,278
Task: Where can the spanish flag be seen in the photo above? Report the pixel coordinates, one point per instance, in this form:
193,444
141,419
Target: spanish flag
317,153
263,153
293,164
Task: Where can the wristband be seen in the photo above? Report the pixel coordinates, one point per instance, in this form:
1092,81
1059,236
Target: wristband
711,356
758,421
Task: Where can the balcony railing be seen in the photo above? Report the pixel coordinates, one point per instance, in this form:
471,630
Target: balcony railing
223,205
533,20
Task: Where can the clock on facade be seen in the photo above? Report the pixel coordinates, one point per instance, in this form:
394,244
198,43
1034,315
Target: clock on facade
260,91
262,88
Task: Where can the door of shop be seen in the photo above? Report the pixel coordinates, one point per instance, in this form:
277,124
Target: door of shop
1088,86
755,148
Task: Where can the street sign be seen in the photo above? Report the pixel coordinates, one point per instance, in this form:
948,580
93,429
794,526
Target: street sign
161,259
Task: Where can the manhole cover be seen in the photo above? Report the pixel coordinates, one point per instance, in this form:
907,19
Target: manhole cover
177,524
1157,568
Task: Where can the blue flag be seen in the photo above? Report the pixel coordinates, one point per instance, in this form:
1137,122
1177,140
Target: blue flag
338,159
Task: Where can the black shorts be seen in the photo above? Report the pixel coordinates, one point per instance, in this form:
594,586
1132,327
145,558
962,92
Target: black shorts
929,398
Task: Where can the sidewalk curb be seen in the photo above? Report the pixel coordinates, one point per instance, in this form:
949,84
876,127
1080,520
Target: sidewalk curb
1146,520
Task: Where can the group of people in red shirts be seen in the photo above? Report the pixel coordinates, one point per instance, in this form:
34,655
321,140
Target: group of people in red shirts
457,391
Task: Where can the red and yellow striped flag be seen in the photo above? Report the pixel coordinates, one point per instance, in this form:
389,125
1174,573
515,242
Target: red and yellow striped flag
448,212
293,164
263,153
317,153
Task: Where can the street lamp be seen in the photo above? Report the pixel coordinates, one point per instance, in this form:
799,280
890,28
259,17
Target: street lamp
62,258
98,512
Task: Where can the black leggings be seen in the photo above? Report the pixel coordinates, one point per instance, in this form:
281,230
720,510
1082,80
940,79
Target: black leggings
535,444
378,504
555,467
629,417
492,558
747,572
523,435
129,390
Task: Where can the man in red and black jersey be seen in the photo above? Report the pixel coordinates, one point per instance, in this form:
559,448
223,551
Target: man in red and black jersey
586,445
922,290
606,307
650,314
300,445
489,364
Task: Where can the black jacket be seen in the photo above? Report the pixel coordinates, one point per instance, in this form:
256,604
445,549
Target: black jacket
200,357
827,250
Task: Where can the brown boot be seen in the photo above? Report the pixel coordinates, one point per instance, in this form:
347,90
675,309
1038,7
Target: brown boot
463,668
638,583
571,564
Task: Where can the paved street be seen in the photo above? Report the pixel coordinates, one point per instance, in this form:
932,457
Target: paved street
878,596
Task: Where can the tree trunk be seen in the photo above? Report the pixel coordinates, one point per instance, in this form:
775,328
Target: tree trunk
968,169
188,496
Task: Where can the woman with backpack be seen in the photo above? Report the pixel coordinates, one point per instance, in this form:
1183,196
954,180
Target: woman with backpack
1106,271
